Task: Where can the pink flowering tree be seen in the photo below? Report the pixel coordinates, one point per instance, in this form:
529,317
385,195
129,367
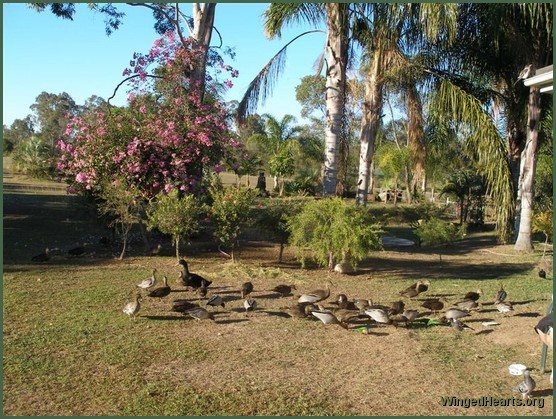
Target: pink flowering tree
165,139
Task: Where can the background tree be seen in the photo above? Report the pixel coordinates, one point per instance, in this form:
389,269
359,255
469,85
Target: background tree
52,114
19,130
276,145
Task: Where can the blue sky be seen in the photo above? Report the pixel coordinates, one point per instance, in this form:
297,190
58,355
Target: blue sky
44,53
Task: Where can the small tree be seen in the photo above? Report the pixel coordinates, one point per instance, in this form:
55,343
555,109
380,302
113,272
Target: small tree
332,230
174,215
435,232
122,203
274,218
543,223
230,209
281,165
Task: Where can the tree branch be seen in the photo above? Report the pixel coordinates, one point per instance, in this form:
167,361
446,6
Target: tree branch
126,79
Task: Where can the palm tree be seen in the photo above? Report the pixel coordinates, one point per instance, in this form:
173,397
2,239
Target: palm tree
495,42
389,34
278,142
336,17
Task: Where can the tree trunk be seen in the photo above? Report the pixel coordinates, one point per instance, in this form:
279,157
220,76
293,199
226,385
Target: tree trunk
203,20
336,49
416,138
528,168
370,119
177,244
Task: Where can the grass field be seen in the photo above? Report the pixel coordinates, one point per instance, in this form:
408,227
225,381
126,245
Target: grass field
69,350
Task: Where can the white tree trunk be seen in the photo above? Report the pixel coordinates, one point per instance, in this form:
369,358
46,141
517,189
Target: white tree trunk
203,21
527,172
336,50
372,108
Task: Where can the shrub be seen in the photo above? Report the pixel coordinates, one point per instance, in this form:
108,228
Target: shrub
434,232
122,204
174,215
230,208
273,216
332,230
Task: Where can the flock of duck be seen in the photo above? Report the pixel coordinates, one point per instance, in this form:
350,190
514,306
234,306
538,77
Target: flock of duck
341,310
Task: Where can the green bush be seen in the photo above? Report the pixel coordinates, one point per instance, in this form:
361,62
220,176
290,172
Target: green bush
331,230
230,208
435,232
174,215
32,157
273,215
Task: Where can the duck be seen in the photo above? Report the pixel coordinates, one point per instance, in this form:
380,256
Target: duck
249,304
526,386
542,274
410,315
315,296
411,287
459,325
327,317
341,299
283,289
501,294
246,289
472,295
202,291
189,279
181,306
413,290
544,329
423,286
397,308
434,305
300,310
76,251
149,282
504,307
42,257
162,291
345,314
467,304
215,301
155,250
133,307
362,304
456,313
199,313
379,315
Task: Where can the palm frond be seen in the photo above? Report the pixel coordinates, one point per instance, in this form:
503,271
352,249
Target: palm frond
263,83
279,14
489,149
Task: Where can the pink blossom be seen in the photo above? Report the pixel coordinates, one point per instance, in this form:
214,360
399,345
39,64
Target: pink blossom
229,84
142,109
81,178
